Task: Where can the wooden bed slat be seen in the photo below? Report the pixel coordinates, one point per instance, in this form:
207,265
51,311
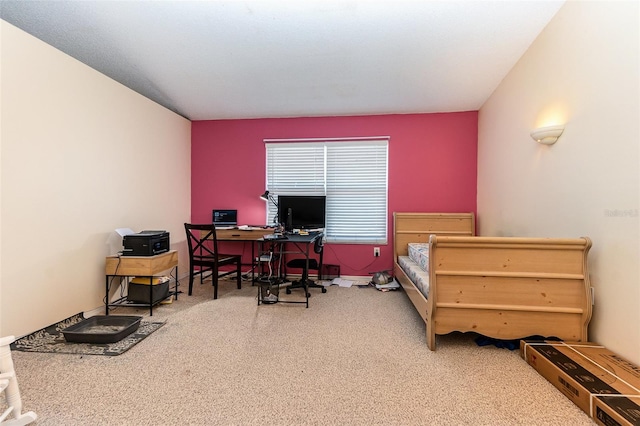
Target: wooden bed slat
510,308
541,275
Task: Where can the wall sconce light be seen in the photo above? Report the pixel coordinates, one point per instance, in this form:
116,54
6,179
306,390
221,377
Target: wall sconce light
547,135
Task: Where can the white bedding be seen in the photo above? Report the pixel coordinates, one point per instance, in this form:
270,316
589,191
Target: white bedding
416,274
419,253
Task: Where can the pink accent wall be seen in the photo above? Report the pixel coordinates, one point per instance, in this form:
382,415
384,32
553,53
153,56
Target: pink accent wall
432,168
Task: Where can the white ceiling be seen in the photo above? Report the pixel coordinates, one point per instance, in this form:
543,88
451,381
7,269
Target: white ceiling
253,59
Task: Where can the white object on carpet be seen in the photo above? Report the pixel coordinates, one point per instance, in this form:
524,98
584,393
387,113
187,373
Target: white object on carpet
342,282
9,387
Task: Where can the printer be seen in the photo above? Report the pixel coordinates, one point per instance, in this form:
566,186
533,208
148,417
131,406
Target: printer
145,243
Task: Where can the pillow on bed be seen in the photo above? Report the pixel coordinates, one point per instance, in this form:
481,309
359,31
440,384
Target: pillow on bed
419,253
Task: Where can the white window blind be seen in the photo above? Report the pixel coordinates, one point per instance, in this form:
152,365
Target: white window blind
351,173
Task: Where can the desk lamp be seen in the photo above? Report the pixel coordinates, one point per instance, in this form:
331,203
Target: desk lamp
268,197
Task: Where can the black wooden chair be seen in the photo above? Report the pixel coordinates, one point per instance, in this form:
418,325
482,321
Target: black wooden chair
204,255
314,264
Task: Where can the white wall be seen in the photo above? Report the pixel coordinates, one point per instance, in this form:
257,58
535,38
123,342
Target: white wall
81,155
583,71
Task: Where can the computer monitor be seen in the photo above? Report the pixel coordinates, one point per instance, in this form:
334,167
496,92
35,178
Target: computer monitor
302,211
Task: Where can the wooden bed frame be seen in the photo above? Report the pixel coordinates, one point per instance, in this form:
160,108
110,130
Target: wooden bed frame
500,287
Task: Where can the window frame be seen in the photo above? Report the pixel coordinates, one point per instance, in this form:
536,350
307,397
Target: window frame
372,182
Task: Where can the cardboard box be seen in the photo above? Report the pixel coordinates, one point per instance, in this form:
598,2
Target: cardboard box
603,384
604,413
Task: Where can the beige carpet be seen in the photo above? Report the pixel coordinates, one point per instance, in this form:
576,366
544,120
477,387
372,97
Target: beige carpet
355,356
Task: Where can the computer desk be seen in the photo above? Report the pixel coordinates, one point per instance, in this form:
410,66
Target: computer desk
302,244
255,235
252,235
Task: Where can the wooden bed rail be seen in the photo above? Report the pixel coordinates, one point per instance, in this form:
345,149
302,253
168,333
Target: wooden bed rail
509,255
509,287
523,308
512,274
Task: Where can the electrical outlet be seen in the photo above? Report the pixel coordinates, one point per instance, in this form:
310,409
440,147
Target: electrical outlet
376,251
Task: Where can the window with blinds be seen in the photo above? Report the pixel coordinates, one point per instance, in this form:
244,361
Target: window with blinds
351,173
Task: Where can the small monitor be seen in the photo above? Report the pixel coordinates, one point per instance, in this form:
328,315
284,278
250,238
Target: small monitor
302,211
225,217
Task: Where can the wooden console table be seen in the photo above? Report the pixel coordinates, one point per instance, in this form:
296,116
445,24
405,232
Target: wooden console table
140,266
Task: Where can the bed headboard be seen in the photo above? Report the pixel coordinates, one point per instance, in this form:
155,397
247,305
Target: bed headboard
416,228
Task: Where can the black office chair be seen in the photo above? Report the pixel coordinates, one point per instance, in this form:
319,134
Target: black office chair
314,264
203,254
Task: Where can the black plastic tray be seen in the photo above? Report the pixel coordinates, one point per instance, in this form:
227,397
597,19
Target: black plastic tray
102,329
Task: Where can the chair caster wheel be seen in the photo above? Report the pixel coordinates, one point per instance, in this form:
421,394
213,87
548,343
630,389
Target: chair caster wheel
288,291
324,290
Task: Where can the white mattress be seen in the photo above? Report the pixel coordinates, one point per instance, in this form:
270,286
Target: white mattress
416,274
419,253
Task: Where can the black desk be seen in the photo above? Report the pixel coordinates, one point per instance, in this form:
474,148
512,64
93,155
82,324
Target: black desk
293,244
